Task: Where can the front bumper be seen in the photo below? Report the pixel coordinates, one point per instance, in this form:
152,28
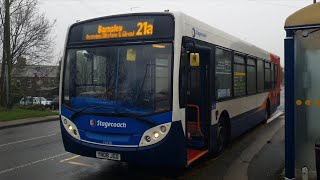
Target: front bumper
170,152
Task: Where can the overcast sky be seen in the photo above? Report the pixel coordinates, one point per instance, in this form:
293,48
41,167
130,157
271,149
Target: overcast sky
259,22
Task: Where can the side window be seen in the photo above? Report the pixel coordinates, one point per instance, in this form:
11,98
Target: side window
272,76
275,75
239,76
67,79
267,80
223,73
251,76
260,75
182,78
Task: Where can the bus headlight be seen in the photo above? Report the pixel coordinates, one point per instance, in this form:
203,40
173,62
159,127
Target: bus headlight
70,127
154,135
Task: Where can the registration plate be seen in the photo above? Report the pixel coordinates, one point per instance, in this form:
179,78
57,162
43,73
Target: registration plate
107,155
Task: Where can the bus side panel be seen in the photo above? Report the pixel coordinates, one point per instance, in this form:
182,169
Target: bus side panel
275,101
245,121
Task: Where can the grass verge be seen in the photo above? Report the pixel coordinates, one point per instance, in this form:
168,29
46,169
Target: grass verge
17,113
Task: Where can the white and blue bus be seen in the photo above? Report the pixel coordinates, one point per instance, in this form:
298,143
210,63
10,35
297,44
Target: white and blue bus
161,89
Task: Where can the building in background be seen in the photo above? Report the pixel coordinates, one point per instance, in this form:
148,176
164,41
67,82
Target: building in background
34,80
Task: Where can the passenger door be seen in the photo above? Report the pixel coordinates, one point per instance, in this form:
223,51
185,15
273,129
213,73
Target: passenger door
198,106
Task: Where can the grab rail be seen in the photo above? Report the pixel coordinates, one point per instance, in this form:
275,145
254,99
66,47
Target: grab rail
198,116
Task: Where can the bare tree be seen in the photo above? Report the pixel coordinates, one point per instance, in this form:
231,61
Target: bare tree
30,36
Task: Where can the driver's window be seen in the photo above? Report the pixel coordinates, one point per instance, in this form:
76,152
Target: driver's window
162,65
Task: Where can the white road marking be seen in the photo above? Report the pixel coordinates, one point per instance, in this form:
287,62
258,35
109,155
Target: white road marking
32,163
31,139
275,116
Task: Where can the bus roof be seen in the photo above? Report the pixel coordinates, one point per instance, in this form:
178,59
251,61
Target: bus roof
215,35
219,37
304,17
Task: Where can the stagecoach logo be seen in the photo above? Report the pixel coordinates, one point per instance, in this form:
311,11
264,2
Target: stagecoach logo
193,32
109,124
198,34
92,122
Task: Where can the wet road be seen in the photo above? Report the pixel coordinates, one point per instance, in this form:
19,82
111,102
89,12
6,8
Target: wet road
36,152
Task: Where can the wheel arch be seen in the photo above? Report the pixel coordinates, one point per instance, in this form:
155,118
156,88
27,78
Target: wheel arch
225,116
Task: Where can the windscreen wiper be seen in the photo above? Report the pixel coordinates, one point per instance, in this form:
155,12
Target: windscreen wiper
144,79
113,108
138,118
88,107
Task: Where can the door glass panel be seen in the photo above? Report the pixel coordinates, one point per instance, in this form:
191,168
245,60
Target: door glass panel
307,90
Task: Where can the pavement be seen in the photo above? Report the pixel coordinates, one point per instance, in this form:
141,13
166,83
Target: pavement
22,122
269,162
33,149
258,154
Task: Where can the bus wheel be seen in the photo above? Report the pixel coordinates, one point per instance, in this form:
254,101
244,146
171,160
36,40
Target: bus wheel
222,134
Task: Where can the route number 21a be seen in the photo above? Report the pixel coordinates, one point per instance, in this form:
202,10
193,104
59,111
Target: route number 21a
144,29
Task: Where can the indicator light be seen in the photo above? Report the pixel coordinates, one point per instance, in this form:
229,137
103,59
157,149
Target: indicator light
147,138
163,129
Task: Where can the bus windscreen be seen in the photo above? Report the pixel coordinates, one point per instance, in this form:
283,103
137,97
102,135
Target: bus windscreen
119,28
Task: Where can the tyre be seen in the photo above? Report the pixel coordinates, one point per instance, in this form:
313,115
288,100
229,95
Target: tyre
267,112
223,134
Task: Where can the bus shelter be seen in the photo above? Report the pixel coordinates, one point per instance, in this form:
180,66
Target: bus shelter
302,89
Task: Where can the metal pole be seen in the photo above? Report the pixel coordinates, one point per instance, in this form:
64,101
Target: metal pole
289,107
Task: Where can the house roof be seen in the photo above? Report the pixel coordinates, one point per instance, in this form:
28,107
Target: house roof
36,71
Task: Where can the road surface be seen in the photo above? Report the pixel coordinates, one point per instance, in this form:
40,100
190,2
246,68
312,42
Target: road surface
36,152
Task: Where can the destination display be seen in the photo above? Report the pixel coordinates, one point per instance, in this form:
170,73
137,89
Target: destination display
124,29
119,28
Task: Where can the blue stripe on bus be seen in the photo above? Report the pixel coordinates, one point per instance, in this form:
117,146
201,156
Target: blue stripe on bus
128,135
79,103
171,152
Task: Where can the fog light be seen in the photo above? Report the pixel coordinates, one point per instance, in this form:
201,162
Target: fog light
147,138
156,135
75,132
70,127
65,121
163,129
